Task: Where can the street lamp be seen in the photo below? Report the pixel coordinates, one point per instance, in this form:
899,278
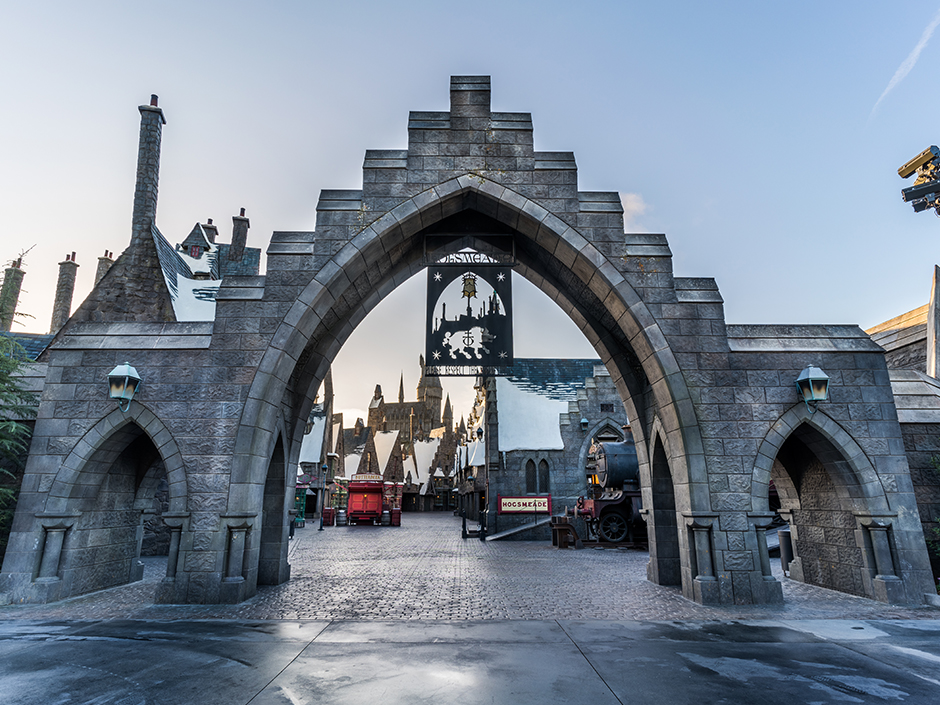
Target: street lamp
323,470
813,387
123,383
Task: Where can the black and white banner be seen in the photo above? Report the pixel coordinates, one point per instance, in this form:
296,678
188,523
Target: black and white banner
469,316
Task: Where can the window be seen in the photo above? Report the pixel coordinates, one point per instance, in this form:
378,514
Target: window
607,408
543,477
195,251
530,480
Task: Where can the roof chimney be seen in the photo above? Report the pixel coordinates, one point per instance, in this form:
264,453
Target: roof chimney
10,293
148,170
240,227
104,264
211,231
65,288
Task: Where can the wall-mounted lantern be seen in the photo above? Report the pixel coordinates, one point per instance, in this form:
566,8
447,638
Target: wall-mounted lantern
813,386
123,382
584,424
479,433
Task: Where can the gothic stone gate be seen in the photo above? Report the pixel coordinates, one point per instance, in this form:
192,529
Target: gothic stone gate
713,407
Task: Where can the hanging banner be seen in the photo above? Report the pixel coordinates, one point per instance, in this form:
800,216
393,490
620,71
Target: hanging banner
469,321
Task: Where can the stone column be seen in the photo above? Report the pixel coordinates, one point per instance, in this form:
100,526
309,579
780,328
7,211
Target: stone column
148,170
236,554
705,584
51,553
770,590
886,585
65,288
10,293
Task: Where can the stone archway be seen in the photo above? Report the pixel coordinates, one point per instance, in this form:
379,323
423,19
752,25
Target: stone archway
842,521
91,522
551,254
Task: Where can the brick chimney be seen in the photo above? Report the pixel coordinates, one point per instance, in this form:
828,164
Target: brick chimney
10,293
64,290
104,264
148,170
240,227
212,232
469,97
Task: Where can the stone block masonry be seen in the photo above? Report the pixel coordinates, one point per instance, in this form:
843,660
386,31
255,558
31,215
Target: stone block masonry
224,403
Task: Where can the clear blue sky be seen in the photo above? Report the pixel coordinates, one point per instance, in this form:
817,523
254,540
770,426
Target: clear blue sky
747,132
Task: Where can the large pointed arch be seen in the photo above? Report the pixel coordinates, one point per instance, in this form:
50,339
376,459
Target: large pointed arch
104,442
552,254
863,486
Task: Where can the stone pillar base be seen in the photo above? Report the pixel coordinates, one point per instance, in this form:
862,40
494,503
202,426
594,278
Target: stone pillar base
889,589
706,592
233,590
767,592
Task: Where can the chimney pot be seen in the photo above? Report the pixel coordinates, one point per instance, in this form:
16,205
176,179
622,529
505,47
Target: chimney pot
242,213
153,100
209,221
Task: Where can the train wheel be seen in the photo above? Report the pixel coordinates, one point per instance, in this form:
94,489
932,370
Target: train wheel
613,527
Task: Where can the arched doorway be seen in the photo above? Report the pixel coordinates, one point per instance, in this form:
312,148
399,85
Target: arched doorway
99,505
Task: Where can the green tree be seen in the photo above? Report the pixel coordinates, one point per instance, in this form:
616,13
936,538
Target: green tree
16,406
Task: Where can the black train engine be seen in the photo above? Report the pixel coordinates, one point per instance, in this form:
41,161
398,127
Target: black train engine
612,512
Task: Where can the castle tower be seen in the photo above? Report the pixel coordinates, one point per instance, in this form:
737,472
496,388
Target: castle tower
448,417
431,393
10,293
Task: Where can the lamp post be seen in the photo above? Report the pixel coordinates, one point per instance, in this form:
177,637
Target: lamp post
123,383
813,387
322,492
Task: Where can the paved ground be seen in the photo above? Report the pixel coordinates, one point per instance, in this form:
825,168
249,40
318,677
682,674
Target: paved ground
416,615
424,570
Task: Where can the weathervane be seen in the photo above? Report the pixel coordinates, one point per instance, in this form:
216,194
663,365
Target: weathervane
925,193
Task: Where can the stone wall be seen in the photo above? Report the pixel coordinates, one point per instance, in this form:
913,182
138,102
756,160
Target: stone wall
922,443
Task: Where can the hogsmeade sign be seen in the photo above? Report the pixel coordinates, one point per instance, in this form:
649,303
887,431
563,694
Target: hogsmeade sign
469,323
524,505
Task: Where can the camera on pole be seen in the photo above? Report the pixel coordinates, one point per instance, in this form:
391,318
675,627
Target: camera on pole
925,193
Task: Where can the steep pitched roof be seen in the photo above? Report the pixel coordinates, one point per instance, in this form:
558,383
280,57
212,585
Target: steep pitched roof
531,399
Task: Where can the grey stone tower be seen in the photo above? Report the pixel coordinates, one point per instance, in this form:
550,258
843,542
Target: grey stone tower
64,290
104,264
10,293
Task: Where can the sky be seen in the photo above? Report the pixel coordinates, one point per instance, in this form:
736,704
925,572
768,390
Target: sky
762,138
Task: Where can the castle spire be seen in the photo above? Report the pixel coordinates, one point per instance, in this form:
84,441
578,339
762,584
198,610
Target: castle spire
401,389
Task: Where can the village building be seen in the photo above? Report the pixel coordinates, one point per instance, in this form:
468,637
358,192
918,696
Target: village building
539,423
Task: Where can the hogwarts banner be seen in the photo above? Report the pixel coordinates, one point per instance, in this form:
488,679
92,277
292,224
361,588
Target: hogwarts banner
469,316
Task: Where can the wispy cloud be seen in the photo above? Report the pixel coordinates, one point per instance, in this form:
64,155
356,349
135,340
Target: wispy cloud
910,61
633,207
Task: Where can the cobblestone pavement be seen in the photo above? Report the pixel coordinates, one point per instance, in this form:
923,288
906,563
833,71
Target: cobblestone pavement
423,570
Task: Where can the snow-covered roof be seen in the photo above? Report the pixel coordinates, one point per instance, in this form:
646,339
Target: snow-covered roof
384,444
527,420
311,448
193,299
475,451
351,462
424,452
